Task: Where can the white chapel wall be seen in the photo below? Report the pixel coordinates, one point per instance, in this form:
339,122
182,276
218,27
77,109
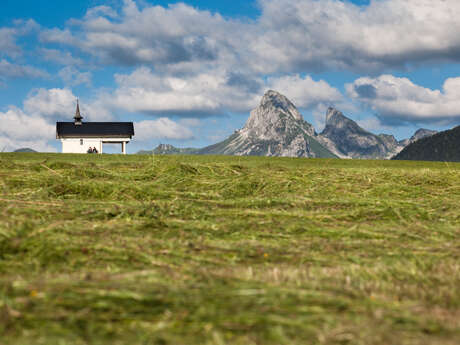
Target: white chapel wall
80,145
76,145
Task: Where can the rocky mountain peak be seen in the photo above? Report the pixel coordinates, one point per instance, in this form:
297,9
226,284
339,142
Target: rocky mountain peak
422,133
331,113
336,120
274,100
274,116
274,128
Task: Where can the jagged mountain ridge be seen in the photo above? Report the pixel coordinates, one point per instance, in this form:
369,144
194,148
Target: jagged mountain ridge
276,128
347,139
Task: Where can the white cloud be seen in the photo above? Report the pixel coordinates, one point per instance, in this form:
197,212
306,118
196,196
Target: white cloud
8,42
200,94
52,103
211,93
196,63
314,34
162,128
305,92
289,36
167,36
103,10
20,130
399,100
9,35
60,57
56,35
190,122
59,104
373,124
9,70
73,77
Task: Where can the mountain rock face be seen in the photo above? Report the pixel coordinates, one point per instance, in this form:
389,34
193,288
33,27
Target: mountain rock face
347,139
443,146
274,128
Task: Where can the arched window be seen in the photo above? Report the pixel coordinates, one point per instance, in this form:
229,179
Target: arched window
81,141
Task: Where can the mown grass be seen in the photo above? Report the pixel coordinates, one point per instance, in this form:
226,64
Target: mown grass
227,250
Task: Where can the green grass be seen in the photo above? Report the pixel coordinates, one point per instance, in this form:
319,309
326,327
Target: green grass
227,250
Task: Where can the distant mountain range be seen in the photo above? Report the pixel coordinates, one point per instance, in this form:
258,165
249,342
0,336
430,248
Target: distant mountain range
276,128
443,146
166,149
25,150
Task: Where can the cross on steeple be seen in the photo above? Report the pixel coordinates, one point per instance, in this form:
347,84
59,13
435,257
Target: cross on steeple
77,116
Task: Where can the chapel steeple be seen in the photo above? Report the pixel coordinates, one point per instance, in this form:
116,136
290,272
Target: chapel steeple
77,116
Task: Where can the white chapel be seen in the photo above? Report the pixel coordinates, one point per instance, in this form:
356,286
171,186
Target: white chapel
82,137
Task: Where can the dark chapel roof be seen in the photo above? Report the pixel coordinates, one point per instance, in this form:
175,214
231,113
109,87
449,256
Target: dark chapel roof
94,130
80,129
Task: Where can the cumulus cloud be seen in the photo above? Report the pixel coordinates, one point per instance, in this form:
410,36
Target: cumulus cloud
21,130
196,63
201,94
289,36
9,35
336,34
60,57
52,103
102,10
190,122
212,93
176,38
374,124
154,34
73,77
56,35
398,100
305,92
59,105
162,128
10,70
8,45
9,48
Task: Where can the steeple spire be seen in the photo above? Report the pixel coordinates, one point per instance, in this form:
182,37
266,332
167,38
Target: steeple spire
77,116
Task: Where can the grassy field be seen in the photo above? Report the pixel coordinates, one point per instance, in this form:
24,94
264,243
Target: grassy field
226,250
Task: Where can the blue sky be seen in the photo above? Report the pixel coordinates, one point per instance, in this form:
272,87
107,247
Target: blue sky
189,73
